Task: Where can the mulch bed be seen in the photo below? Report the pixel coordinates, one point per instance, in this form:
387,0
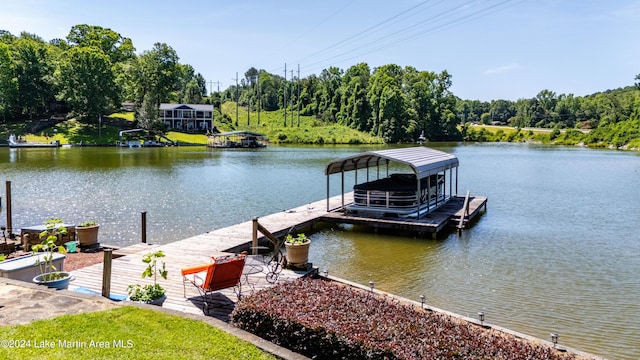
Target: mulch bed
73,261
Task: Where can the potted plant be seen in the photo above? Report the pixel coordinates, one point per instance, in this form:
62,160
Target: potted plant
150,294
297,249
87,233
49,274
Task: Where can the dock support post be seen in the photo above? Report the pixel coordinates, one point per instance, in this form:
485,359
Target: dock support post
144,227
254,236
9,222
106,273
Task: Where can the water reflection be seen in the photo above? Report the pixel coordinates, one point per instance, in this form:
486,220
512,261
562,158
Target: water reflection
557,250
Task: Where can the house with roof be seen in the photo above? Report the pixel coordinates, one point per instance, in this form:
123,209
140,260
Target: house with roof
187,117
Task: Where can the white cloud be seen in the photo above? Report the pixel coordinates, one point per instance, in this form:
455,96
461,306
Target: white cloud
502,69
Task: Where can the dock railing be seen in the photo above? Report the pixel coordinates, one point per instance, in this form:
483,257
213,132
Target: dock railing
465,213
254,241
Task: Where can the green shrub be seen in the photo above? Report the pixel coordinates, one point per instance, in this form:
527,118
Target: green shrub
328,320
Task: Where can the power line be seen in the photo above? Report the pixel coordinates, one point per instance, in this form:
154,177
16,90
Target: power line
392,39
448,17
366,41
365,31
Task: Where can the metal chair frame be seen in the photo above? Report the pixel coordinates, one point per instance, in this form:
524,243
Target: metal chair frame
223,273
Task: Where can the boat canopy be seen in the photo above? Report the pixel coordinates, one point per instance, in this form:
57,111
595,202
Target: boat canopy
241,133
237,139
421,159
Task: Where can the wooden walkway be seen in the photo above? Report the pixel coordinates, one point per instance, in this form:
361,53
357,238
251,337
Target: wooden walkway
127,265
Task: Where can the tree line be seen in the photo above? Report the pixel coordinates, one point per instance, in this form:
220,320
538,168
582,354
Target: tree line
94,69
400,104
394,103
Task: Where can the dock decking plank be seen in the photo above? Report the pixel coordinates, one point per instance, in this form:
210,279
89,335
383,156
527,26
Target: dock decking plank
127,269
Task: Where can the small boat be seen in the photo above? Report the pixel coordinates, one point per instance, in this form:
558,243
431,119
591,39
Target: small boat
421,138
137,138
15,142
413,194
398,194
129,144
237,139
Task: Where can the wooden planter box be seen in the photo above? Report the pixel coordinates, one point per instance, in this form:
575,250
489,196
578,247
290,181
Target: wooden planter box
30,235
7,248
25,268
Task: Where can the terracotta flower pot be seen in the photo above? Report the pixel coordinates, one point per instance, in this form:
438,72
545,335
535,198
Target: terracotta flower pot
297,254
87,235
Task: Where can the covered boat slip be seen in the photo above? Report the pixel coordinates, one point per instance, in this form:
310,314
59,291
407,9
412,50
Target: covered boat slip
237,139
423,201
429,185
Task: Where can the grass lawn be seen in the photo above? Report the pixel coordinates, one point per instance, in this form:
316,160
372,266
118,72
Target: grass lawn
123,333
308,130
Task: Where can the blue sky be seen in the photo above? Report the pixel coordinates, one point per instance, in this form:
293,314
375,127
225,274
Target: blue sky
494,49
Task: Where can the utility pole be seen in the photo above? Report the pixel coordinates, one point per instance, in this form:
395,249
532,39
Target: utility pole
213,116
291,97
217,83
298,82
285,94
259,100
236,98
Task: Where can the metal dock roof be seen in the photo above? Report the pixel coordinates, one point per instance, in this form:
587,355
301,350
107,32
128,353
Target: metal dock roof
422,160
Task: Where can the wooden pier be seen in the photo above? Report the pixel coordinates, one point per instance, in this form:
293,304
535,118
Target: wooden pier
127,265
452,213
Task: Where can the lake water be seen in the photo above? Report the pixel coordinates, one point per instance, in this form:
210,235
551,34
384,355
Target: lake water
558,249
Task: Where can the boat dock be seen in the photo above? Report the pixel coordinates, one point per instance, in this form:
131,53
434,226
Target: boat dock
452,213
127,265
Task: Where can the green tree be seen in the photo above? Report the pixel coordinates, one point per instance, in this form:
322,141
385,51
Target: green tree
87,82
34,69
386,76
433,104
525,113
202,84
157,74
269,91
6,37
8,81
188,78
330,81
392,113
116,47
547,100
502,111
193,93
355,110
309,95
147,114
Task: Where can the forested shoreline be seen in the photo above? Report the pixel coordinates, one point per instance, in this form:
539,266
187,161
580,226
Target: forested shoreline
94,70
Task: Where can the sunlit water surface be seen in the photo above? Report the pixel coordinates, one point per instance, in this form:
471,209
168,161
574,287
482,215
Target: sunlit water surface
557,251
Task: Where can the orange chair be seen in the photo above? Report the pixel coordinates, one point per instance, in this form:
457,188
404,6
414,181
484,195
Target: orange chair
224,272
